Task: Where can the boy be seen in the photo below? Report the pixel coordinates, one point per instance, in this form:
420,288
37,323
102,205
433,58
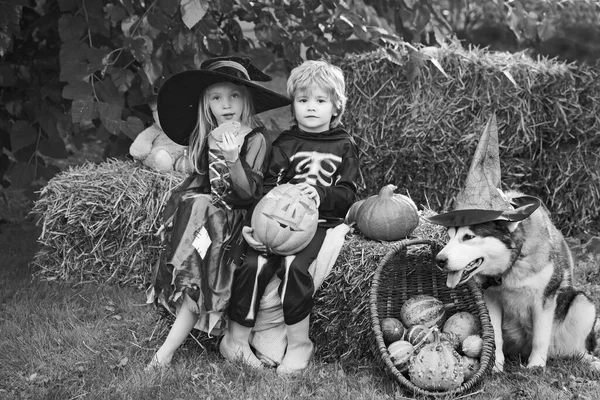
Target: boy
319,156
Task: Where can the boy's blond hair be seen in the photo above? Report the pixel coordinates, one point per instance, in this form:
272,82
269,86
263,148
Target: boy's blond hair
324,75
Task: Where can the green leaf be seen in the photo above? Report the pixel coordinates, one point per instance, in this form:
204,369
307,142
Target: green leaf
22,175
7,76
158,20
110,116
73,62
9,23
115,13
71,27
48,123
122,78
168,6
107,92
83,111
22,135
138,47
132,127
54,148
193,11
67,5
77,90
153,69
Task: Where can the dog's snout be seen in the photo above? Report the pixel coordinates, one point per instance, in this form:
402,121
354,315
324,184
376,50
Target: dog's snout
441,261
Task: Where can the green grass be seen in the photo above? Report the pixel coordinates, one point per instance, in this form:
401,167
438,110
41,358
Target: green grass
88,341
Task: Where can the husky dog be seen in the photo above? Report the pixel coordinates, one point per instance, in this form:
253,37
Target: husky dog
527,268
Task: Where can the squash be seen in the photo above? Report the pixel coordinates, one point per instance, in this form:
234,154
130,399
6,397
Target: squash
387,216
472,346
392,330
422,309
470,366
400,354
419,335
285,220
452,339
437,366
183,163
463,324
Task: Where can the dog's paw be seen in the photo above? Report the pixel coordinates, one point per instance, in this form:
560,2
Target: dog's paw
498,367
536,364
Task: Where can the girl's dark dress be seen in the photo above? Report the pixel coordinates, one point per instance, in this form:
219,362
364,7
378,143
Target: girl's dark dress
205,244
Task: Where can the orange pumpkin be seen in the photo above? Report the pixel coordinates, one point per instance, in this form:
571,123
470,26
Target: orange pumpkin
387,216
285,220
352,211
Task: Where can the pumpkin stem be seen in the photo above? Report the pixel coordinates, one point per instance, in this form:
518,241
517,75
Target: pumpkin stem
387,190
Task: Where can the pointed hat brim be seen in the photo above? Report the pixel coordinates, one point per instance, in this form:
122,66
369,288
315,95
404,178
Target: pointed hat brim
481,199
526,205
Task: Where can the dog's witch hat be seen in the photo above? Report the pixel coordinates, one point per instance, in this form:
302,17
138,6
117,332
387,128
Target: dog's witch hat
481,200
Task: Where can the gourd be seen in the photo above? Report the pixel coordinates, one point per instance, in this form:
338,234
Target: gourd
422,309
183,163
392,330
472,346
462,324
387,216
400,353
452,339
419,335
285,220
437,366
470,366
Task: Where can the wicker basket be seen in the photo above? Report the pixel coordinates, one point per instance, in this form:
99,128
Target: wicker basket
409,269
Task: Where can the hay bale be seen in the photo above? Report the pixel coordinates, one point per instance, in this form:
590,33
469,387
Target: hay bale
548,116
340,322
98,222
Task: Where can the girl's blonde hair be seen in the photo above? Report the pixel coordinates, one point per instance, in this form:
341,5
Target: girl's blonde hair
324,75
207,122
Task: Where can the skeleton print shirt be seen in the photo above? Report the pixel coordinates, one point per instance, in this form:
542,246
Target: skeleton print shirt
326,160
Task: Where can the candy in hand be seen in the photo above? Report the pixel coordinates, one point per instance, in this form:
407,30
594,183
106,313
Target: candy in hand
232,127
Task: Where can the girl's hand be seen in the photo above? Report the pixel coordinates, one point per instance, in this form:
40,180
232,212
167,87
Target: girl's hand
247,233
229,147
310,191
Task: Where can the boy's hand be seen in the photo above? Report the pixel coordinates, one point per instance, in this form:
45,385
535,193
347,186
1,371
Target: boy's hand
229,147
247,232
310,191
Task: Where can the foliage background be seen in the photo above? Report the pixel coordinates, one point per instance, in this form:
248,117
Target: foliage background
79,71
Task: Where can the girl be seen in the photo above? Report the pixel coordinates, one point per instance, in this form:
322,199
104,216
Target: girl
210,110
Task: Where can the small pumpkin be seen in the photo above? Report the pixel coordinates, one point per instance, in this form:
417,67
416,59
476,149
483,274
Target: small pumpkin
392,330
387,216
400,354
285,220
472,346
462,324
422,309
437,366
